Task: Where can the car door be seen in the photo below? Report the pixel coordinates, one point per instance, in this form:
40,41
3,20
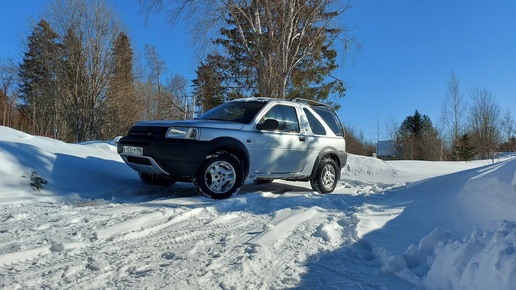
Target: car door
281,150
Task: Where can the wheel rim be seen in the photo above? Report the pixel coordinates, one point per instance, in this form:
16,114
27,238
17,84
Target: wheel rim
328,176
220,177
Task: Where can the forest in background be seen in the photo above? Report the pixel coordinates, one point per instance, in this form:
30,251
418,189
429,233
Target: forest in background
78,79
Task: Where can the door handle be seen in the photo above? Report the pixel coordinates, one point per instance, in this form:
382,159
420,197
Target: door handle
302,138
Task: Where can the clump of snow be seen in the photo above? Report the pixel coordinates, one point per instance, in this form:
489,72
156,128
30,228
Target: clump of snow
388,225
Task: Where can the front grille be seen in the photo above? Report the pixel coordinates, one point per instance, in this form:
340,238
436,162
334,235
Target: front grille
142,133
147,132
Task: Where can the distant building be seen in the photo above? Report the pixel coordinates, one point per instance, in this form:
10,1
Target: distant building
386,150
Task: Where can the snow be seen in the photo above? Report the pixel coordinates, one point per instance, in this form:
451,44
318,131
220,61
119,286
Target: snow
388,225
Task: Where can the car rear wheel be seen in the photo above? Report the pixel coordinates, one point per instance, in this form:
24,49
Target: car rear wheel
220,176
326,176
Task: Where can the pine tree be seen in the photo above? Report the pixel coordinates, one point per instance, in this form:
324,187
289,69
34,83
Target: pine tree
312,78
38,75
465,151
74,88
282,49
417,139
121,103
211,87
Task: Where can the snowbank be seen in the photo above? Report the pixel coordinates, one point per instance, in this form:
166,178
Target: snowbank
73,171
458,230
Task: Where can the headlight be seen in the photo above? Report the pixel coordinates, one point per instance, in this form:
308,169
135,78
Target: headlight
183,133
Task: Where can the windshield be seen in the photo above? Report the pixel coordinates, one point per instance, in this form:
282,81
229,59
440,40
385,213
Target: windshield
241,112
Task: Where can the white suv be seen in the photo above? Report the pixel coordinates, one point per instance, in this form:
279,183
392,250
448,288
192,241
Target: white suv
259,138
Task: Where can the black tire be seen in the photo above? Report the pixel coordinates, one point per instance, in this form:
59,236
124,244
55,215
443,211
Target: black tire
326,176
262,181
220,176
157,179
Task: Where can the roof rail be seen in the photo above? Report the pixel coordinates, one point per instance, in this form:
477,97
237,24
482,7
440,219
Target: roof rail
307,101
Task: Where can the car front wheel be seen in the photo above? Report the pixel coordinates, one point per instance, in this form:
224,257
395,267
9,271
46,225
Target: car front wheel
220,176
326,176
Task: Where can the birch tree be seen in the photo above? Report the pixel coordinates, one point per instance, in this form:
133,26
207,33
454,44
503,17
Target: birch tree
508,130
453,112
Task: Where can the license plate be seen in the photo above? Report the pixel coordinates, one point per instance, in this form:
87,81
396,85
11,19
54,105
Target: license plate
130,150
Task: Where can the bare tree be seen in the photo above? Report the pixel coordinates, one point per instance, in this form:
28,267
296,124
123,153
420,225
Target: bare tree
145,96
508,129
455,106
157,102
354,143
391,128
8,78
484,122
453,112
96,28
163,100
177,86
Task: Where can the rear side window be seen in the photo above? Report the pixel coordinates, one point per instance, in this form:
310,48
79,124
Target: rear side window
315,125
331,119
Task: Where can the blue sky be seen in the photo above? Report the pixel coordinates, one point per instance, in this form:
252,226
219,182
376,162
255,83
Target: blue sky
408,50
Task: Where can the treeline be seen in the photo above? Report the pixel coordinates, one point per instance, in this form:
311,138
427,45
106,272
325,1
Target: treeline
469,127
79,80
474,125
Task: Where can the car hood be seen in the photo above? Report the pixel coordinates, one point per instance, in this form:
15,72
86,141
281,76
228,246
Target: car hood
194,123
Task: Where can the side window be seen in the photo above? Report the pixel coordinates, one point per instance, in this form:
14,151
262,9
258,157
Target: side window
285,115
315,125
331,119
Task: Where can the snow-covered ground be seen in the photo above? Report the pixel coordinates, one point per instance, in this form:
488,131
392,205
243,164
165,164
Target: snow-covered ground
388,225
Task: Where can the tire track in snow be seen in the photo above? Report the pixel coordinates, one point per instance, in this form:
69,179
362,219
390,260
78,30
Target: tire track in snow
87,259
214,246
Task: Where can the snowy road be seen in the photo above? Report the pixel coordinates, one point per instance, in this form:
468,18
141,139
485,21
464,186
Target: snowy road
265,241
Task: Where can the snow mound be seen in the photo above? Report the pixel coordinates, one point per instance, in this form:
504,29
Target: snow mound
484,260
359,166
72,171
466,224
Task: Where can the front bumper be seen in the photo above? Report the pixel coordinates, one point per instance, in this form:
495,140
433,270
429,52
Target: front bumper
176,158
143,164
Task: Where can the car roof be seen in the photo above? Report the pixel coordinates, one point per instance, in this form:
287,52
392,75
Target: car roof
299,101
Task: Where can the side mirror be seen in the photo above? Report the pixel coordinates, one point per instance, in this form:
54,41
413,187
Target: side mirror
268,125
